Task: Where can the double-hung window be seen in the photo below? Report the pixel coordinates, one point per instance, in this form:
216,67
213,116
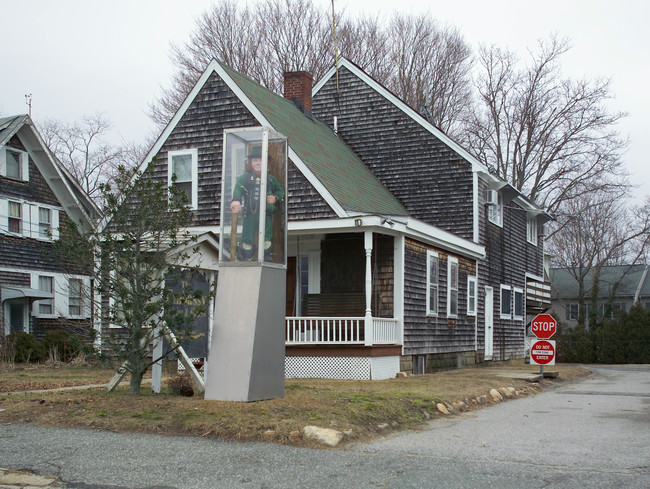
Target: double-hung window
471,295
506,302
44,222
183,174
495,209
519,303
433,269
452,287
572,311
46,284
15,217
75,297
531,230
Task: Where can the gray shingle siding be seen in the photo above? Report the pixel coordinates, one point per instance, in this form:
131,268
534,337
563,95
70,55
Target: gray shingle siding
214,109
509,257
429,179
435,334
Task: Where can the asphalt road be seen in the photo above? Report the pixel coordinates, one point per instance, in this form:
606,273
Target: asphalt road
592,434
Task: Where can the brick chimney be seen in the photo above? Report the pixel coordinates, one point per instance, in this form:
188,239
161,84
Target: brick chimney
298,85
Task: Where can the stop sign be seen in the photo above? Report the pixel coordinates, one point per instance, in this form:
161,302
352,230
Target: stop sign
542,352
543,326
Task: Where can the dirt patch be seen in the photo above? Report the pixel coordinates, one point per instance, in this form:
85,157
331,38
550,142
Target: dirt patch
361,409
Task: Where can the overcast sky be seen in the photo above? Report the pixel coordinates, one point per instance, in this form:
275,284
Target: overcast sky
80,57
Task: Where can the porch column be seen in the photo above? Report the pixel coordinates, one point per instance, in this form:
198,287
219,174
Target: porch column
368,326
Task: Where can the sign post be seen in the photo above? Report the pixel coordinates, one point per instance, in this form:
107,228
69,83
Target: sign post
543,326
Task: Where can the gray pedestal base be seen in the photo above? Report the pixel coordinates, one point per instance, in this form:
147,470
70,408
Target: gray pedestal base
246,361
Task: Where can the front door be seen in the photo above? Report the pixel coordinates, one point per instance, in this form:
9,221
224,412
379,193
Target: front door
489,323
17,316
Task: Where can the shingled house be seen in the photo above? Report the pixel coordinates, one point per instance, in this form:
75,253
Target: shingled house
37,291
391,243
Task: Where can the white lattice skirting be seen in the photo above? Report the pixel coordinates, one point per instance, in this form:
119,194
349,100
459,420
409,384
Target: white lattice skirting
350,368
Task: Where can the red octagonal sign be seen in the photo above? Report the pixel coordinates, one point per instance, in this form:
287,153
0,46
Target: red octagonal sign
543,326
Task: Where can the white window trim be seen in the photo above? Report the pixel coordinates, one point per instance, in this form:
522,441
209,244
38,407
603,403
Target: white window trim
24,163
30,222
430,311
498,211
501,314
452,261
531,230
515,291
194,153
472,279
36,312
61,286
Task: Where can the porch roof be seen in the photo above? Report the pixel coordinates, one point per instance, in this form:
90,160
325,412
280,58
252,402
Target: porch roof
24,292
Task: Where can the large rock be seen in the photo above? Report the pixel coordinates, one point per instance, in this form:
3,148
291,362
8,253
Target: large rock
326,436
496,396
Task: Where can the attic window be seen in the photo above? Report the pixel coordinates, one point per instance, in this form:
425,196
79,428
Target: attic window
183,173
14,164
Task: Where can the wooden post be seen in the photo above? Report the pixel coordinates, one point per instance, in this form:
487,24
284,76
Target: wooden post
368,326
233,238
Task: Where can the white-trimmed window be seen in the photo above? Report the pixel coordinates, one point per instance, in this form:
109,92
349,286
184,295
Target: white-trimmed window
15,220
14,164
495,210
75,297
506,302
44,222
471,295
46,284
518,312
185,166
572,311
433,272
531,230
452,287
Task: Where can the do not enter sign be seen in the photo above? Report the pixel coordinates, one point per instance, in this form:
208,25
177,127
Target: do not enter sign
543,326
543,352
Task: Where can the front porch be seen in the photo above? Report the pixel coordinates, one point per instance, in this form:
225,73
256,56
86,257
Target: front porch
348,324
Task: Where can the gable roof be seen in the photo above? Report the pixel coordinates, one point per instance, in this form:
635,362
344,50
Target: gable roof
330,166
629,278
477,166
77,205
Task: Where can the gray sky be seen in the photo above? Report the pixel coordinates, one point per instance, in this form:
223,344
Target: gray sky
80,57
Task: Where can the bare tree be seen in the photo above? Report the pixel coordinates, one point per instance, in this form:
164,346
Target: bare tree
552,138
600,230
426,65
431,66
82,148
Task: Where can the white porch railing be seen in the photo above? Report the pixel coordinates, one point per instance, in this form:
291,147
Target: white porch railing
340,331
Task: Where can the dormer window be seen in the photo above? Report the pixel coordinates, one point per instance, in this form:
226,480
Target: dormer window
14,164
494,200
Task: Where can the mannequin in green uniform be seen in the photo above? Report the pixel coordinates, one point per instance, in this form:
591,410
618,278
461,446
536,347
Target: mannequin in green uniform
246,198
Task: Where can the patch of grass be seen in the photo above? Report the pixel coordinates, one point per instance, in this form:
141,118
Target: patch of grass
364,409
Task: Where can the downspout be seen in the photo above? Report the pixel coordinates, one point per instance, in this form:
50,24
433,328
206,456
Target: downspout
641,282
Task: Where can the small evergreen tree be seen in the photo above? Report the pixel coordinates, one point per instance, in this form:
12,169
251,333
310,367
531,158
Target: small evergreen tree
139,245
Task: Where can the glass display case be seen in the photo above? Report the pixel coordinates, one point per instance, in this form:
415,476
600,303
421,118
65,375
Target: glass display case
253,198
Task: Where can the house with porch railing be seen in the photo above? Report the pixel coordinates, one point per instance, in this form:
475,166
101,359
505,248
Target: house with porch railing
391,248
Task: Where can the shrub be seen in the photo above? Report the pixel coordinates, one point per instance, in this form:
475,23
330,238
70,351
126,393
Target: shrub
181,385
60,344
27,348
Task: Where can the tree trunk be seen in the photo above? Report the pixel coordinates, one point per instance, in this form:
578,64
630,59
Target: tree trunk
136,382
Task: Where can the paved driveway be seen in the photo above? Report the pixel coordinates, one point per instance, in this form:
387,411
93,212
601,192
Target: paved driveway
592,434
